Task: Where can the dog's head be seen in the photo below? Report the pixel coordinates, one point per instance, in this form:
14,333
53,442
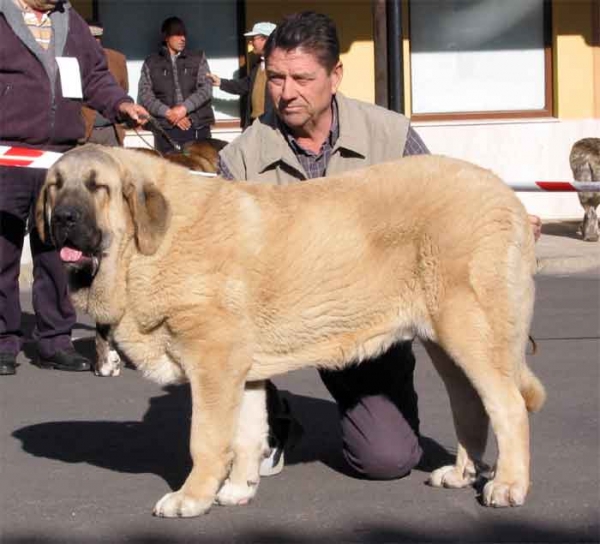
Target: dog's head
93,201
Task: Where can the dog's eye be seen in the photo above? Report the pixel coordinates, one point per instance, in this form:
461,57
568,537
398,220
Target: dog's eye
94,187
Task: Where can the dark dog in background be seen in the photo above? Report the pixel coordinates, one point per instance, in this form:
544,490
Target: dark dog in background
200,156
585,164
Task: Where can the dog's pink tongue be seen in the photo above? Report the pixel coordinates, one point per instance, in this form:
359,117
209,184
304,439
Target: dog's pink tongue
70,255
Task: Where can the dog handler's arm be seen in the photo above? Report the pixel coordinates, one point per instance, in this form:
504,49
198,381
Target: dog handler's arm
146,96
204,90
536,225
414,144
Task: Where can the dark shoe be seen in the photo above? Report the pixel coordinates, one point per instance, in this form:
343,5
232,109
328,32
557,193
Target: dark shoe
8,364
64,359
285,431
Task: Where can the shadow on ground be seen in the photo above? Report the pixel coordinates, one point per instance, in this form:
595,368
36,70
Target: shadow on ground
133,446
566,229
483,532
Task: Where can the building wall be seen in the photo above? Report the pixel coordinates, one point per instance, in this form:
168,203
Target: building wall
575,58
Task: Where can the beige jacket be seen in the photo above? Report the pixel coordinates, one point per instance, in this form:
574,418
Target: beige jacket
368,135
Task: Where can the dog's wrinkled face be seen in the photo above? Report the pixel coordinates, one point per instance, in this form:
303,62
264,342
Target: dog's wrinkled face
74,209
93,199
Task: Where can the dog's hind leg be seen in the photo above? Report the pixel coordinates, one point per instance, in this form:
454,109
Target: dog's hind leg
217,376
470,421
489,347
250,445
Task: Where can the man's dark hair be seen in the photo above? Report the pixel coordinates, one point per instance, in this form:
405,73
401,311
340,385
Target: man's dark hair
173,26
312,32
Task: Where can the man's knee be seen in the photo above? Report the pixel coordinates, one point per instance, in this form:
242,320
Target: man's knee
383,460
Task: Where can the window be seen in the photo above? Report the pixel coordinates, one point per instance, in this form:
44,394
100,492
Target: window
480,58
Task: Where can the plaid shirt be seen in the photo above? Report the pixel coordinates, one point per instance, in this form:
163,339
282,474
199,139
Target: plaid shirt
315,164
42,29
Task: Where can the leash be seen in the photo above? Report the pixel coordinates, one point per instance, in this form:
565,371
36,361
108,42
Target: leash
154,124
37,158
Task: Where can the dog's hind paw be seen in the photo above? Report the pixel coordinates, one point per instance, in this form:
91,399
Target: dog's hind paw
180,505
236,495
499,494
451,476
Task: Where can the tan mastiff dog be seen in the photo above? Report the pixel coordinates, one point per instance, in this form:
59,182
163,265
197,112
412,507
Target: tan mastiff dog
226,284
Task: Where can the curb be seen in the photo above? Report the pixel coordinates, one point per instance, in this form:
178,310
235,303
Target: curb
552,266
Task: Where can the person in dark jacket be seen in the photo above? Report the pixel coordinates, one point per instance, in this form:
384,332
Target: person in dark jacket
174,88
98,129
39,111
254,86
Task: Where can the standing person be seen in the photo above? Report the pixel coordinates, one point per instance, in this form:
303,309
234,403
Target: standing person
316,131
40,108
174,88
254,86
98,129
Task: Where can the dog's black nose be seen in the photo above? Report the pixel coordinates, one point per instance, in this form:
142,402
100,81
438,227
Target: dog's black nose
66,216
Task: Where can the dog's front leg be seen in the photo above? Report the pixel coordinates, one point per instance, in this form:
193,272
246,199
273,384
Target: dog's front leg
250,446
108,361
217,390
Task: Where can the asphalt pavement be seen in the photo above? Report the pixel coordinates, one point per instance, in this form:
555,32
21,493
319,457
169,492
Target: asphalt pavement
84,459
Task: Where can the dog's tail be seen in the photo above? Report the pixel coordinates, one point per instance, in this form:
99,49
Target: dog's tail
532,390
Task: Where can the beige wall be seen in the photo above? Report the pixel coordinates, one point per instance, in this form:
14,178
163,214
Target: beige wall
575,59
355,28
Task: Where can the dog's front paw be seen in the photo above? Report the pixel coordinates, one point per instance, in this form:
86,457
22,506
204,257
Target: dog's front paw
236,495
451,476
110,366
181,505
498,494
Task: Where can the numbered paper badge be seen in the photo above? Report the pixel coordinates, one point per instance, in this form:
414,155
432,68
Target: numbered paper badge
70,77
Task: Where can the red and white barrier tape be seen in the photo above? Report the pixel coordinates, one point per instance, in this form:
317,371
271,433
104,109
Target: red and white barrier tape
35,158
30,158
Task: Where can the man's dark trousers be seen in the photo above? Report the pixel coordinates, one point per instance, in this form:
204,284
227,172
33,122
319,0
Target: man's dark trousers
54,313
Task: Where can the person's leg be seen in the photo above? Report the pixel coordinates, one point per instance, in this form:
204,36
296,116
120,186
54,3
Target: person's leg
15,196
161,144
379,415
182,137
202,133
106,135
54,313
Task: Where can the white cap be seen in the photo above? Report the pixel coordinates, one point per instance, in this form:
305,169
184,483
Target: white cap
262,29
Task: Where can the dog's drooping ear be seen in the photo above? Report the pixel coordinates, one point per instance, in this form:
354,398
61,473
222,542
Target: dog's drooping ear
42,215
149,213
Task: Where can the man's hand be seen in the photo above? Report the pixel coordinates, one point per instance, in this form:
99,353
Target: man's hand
536,225
214,79
136,113
176,114
184,124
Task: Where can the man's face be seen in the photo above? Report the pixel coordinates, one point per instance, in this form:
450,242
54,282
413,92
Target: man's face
42,5
175,44
300,87
258,43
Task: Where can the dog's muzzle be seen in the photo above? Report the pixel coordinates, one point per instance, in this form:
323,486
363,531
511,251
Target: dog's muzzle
78,243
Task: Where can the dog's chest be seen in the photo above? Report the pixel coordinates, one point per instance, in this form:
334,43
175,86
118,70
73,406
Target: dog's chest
149,352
